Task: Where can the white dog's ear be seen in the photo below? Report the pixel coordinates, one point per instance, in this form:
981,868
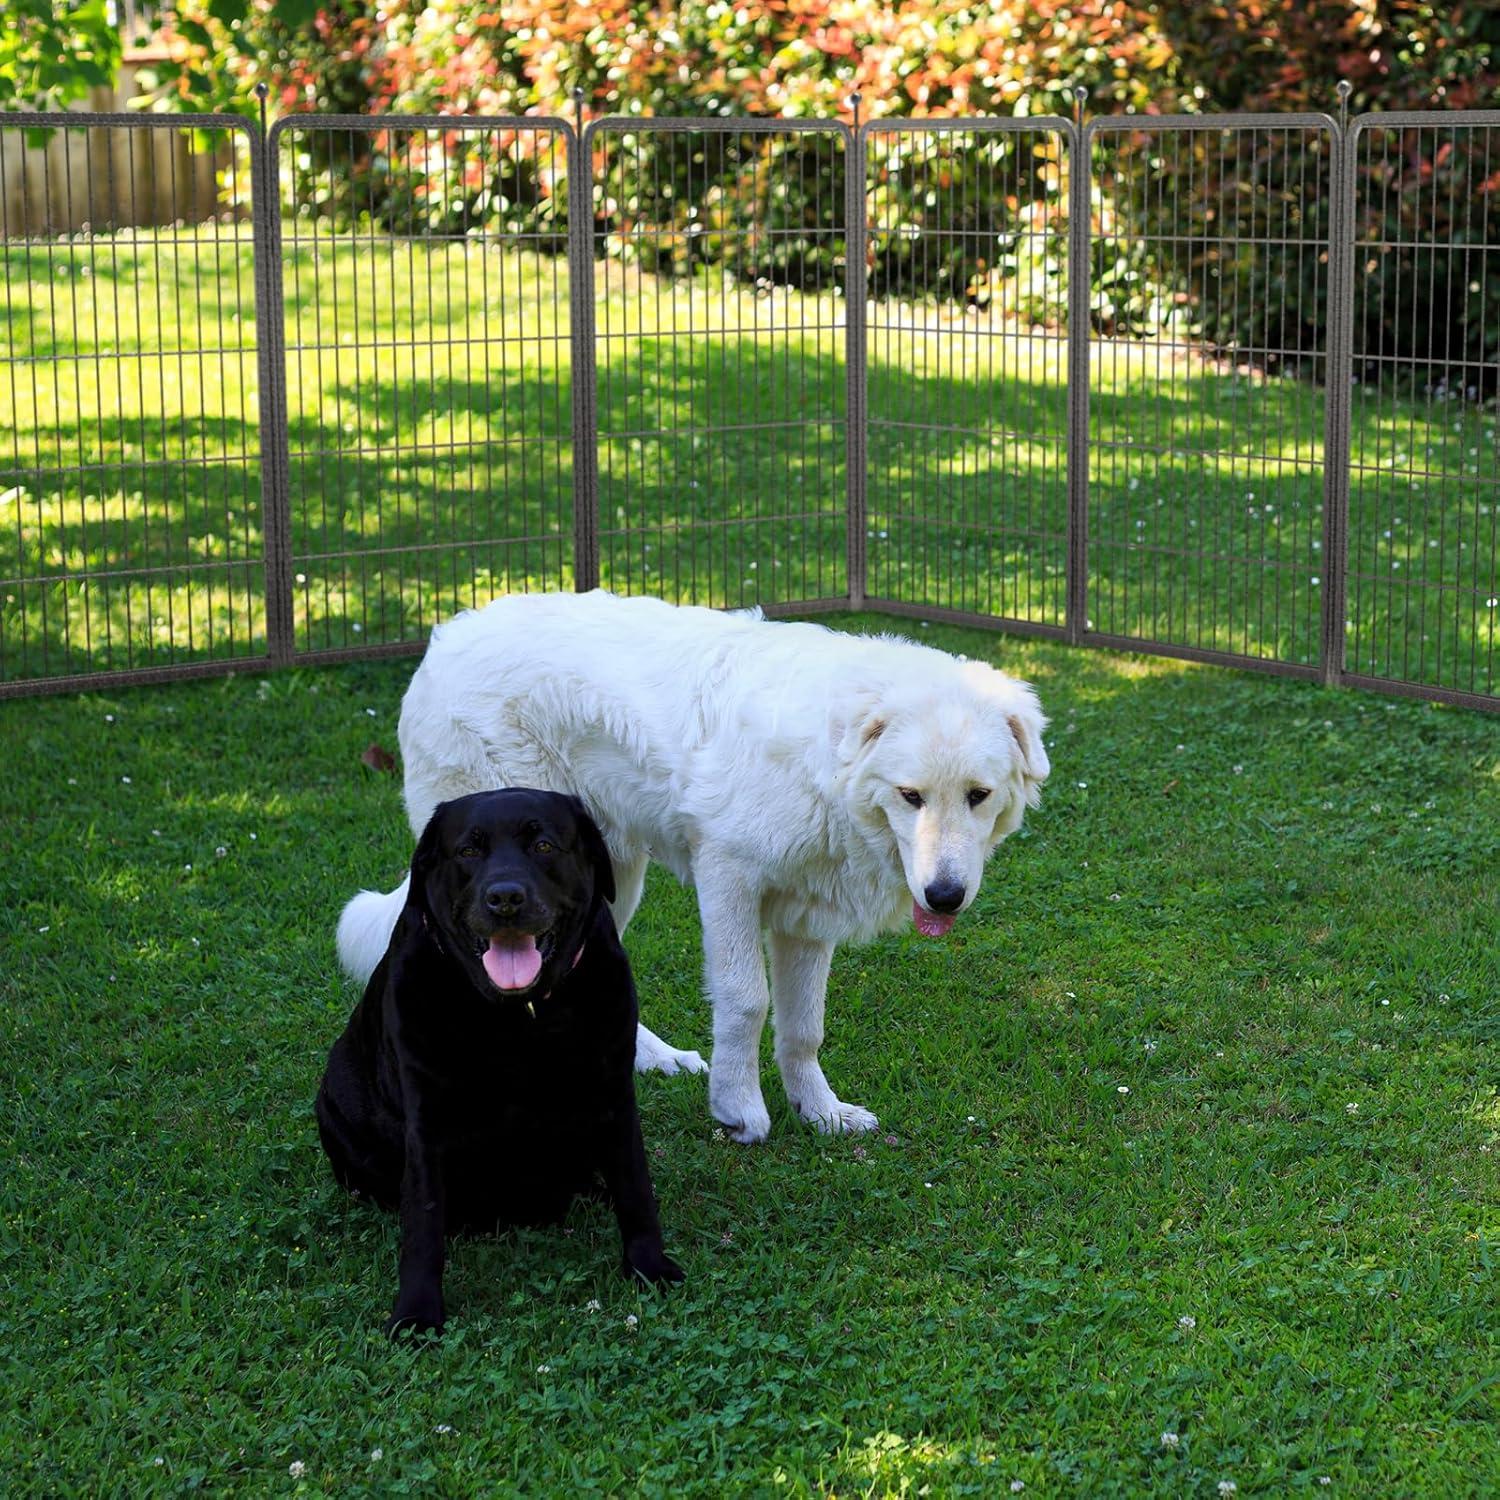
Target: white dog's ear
853,737
1026,722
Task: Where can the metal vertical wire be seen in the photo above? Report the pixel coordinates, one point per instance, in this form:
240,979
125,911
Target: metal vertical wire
1337,414
1207,271
430,331
1423,592
722,335
271,342
1080,215
583,378
129,539
967,414
856,291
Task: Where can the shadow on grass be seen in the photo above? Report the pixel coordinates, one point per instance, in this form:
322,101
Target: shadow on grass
723,480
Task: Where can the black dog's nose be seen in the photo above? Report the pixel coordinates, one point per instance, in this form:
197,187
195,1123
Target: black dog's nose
944,896
504,896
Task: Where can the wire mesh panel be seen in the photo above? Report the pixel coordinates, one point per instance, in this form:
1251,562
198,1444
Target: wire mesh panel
967,394
429,410
1208,352
720,330
1422,598
131,533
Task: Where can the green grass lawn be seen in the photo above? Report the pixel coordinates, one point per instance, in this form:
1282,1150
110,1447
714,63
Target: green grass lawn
431,462
1190,1128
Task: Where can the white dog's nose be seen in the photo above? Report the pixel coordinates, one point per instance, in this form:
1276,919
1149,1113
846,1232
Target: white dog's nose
943,895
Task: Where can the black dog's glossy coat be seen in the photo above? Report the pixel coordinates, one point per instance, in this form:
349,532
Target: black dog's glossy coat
470,1107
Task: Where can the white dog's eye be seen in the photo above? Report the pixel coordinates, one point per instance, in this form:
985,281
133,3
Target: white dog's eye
909,794
977,795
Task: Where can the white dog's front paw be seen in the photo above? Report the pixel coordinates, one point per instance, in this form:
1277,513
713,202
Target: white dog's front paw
652,1055
741,1111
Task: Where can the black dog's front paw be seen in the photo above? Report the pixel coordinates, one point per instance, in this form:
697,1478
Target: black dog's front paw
647,1259
416,1315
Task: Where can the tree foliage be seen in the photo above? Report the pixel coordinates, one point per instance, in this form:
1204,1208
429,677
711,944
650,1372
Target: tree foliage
52,54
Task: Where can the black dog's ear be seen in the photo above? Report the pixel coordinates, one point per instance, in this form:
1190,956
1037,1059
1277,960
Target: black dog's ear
596,849
426,854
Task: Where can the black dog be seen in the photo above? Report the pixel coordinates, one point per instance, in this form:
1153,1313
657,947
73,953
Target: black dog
487,1075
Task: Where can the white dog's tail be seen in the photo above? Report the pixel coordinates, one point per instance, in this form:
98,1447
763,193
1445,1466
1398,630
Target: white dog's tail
365,929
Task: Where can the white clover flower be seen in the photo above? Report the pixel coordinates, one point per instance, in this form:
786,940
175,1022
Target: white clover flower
544,1369
376,1454
1124,1088
1351,1109
296,1468
220,852
1170,1440
631,1321
1188,1321
1017,1485
593,1305
1227,1486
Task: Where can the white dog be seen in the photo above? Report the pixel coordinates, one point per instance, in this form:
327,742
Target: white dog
820,787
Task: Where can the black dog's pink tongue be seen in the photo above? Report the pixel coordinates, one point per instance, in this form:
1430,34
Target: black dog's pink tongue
512,960
929,923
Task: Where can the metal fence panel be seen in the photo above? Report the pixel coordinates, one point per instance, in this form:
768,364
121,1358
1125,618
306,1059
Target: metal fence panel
305,395
967,376
720,328
130,505
1422,601
1208,285
427,343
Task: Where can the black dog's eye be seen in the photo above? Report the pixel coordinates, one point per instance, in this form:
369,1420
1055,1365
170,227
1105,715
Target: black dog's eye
542,846
469,849
977,795
908,794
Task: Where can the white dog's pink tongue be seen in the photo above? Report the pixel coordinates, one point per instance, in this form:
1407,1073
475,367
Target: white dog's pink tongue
512,961
929,923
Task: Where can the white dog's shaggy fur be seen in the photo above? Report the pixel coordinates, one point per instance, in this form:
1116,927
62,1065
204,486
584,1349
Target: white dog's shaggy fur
820,787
